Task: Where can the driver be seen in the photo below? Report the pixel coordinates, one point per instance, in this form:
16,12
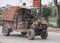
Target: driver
29,18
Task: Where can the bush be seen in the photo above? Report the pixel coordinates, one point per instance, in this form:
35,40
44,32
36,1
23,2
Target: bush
50,25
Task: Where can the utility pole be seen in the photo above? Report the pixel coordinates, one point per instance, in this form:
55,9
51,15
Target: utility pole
39,9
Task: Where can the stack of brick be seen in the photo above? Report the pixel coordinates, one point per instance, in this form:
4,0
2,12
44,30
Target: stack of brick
8,13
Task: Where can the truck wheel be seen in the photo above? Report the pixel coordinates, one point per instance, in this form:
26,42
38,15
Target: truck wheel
30,34
44,35
6,31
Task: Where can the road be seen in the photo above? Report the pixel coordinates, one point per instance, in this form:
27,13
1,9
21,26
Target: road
17,38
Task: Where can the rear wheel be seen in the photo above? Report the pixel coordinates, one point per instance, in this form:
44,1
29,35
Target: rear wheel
6,30
30,34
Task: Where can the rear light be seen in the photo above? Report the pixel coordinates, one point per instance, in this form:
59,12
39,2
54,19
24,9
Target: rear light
39,22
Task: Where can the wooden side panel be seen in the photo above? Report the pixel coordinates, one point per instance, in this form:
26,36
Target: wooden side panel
21,25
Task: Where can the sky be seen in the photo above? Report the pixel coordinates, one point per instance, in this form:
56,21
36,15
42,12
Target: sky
19,2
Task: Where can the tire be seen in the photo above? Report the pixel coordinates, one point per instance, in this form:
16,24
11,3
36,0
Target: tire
5,30
44,35
23,33
30,34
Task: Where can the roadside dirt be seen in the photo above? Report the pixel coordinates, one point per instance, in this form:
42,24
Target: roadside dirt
51,29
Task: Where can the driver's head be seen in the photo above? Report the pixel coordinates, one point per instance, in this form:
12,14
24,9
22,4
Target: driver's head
29,11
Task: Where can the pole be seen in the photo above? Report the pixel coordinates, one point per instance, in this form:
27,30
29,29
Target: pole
39,9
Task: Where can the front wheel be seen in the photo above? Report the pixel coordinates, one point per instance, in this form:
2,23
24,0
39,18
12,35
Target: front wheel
44,35
30,34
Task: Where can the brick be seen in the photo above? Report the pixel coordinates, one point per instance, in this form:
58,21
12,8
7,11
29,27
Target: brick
8,13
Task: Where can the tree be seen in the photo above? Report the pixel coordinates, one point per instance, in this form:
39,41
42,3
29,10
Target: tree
54,11
46,12
58,8
34,12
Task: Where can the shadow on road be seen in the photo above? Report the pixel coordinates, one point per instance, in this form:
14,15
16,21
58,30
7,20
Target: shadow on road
24,36
18,35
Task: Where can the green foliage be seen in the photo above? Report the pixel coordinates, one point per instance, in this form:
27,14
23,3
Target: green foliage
54,11
46,12
34,12
50,25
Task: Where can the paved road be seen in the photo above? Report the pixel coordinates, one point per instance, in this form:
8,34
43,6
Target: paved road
17,38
